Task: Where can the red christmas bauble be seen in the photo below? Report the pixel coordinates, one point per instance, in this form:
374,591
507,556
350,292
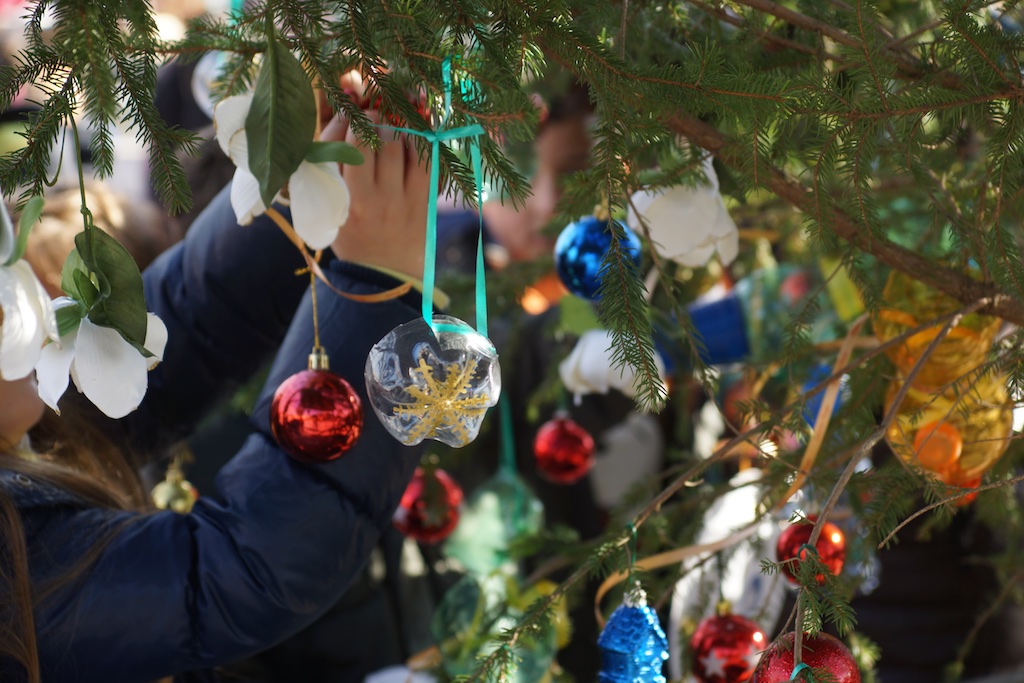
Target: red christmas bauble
818,652
563,450
726,649
429,510
831,547
316,416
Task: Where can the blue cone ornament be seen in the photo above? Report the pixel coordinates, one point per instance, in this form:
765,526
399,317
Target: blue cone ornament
580,251
633,645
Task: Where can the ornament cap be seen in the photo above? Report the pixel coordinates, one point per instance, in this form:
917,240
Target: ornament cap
318,359
635,596
723,608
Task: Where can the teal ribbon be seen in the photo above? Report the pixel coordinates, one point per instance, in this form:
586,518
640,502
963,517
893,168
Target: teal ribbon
436,137
797,669
808,547
508,446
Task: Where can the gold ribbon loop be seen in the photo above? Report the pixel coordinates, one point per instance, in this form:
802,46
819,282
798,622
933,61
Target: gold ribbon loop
312,265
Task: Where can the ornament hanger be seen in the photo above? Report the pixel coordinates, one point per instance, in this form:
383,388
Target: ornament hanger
436,137
507,463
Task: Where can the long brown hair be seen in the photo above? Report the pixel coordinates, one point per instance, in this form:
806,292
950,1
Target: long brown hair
77,458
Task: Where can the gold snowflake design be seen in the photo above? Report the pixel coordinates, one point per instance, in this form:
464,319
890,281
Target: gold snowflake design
441,404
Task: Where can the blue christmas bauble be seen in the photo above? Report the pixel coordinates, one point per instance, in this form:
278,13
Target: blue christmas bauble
580,251
633,645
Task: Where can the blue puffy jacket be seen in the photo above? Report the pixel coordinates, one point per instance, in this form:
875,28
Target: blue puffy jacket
178,593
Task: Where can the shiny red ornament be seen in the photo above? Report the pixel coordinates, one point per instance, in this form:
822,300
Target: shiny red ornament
430,507
831,547
726,648
316,416
563,450
818,652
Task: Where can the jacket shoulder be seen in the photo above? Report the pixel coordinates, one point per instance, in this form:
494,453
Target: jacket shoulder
29,492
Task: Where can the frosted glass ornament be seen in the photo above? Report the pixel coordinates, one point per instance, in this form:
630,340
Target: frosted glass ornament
500,511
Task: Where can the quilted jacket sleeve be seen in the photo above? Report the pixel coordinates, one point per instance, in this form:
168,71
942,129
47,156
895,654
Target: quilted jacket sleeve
227,294
173,592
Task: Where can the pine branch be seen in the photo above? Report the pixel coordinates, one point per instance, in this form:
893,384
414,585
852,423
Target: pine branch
907,65
951,282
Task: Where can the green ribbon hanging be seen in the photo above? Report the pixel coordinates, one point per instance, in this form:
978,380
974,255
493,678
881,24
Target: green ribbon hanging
508,445
797,669
436,137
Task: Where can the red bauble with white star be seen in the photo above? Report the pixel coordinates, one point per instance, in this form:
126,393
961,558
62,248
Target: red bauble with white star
725,649
563,450
831,547
818,652
430,506
316,416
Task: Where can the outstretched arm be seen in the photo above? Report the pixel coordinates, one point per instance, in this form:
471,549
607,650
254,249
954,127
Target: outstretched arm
176,592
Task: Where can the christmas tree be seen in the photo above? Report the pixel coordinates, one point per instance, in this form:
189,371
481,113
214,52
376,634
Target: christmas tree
870,153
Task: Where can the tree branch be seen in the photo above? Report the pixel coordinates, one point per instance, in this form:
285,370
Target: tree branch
956,284
907,64
801,20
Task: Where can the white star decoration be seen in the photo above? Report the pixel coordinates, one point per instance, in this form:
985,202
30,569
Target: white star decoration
713,664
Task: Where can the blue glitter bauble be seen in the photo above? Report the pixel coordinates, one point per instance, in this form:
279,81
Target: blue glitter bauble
580,252
633,644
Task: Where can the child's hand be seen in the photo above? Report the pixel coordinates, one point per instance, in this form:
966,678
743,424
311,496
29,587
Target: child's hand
388,212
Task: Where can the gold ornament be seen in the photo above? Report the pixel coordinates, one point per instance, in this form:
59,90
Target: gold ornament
440,403
175,492
909,303
952,424
955,435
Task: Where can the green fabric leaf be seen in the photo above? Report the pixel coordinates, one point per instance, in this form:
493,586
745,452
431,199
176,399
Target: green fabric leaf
281,122
72,264
68,319
339,152
85,291
121,304
29,217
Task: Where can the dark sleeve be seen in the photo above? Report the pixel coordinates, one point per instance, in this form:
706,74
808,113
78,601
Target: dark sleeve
227,294
173,592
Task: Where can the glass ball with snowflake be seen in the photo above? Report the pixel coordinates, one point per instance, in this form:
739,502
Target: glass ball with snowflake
433,381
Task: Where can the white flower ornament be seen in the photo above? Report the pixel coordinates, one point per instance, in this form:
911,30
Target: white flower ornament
111,373
318,195
28,318
687,224
589,369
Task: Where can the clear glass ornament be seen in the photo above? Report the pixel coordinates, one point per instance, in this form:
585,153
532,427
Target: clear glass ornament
433,384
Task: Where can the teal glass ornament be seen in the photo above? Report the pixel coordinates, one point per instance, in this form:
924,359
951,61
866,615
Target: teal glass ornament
469,619
633,645
580,251
500,511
